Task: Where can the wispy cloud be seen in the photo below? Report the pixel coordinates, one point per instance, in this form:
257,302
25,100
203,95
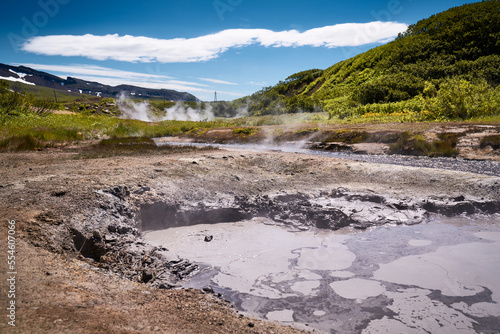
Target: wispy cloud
113,77
222,82
257,83
145,49
175,85
96,71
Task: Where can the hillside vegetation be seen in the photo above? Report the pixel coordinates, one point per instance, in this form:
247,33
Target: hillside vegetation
443,67
446,67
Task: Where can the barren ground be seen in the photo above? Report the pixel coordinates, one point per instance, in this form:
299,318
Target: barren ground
60,291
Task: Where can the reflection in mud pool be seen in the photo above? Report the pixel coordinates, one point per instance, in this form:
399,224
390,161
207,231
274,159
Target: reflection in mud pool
440,277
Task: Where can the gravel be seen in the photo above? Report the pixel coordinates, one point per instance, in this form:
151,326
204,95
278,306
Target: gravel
485,167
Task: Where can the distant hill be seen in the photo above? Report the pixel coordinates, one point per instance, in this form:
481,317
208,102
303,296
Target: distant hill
28,75
456,48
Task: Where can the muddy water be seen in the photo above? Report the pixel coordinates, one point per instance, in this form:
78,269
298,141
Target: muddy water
440,277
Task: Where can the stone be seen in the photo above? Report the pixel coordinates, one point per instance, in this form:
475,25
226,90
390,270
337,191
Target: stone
208,289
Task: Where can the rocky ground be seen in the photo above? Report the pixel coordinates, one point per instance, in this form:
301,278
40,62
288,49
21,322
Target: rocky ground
84,268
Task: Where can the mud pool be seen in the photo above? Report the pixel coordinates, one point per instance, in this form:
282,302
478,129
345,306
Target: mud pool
439,277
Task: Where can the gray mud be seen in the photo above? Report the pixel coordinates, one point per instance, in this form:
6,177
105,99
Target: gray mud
436,277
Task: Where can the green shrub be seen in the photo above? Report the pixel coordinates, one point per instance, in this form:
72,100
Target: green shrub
306,132
461,99
245,131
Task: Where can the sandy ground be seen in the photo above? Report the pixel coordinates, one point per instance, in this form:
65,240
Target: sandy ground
59,291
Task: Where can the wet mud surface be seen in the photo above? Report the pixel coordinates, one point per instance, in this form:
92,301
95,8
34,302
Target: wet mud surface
436,277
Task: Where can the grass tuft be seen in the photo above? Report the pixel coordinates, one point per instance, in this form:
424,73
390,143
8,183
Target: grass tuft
132,146
22,143
409,144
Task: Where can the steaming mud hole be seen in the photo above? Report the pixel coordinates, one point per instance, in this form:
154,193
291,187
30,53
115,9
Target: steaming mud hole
436,277
80,225
276,257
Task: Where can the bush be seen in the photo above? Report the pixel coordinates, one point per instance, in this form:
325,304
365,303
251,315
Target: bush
42,107
461,99
11,103
245,131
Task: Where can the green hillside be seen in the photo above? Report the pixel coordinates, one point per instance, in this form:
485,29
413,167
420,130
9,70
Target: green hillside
446,66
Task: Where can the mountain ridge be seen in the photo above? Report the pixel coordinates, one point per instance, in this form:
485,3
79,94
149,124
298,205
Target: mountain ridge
75,85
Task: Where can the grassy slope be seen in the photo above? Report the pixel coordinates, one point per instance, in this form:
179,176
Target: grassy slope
450,56
46,93
449,50
463,41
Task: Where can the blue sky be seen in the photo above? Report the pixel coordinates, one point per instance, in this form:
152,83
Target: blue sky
233,46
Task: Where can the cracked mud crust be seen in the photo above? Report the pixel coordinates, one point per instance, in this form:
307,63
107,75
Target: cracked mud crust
83,266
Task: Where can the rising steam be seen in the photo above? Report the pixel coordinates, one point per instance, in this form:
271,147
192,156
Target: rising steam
142,111
179,112
132,110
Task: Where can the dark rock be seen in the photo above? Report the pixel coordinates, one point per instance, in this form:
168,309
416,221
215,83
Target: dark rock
109,238
121,192
208,238
142,190
448,209
208,289
58,193
147,276
488,207
332,146
87,246
124,229
96,234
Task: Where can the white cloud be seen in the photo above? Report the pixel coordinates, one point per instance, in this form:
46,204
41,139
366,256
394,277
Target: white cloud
217,81
146,84
145,49
113,77
96,71
258,83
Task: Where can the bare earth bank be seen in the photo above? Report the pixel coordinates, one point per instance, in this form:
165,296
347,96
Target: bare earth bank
83,267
